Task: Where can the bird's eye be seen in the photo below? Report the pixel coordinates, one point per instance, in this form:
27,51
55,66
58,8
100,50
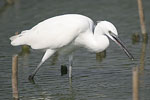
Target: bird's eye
109,32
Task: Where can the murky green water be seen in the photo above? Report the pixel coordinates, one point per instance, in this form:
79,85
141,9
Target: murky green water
93,79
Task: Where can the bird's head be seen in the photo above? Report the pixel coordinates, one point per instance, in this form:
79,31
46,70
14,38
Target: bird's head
109,30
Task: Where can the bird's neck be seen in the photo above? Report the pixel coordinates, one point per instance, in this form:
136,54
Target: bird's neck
99,42
93,41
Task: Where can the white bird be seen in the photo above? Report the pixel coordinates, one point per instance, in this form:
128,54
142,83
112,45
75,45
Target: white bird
68,32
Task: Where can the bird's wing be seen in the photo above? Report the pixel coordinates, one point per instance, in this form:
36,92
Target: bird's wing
58,31
53,35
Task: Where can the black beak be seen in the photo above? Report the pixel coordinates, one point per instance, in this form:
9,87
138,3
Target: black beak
121,44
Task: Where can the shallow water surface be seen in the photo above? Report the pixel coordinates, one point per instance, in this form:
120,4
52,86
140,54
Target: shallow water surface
94,78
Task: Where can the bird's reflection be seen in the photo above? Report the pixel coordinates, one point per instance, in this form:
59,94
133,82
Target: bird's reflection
100,56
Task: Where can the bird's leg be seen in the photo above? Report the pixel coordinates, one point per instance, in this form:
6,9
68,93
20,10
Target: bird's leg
47,54
31,77
70,65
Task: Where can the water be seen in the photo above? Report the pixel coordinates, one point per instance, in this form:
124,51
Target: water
93,79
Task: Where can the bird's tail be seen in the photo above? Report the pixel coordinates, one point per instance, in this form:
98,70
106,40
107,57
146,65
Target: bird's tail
19,39
12,38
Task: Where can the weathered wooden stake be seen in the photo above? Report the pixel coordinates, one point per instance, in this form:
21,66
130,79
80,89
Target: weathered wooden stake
135,81
135,38
15,77
141,16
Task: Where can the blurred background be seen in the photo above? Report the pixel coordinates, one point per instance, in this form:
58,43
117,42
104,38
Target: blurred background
95,77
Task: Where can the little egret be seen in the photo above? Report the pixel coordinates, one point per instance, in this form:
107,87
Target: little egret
66,33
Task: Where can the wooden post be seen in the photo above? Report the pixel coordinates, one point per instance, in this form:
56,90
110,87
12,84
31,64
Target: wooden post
135,38
16,33
135,80
141,16
15,77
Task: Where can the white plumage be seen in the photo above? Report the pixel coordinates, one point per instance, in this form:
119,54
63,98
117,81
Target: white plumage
67,33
